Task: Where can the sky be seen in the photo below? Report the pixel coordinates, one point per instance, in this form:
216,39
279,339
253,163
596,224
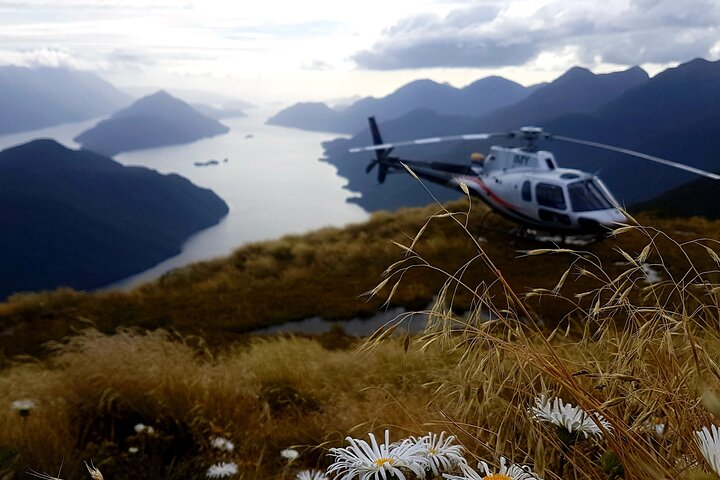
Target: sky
274,52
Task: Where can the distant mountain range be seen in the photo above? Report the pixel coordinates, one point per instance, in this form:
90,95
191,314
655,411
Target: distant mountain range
43,97
153,121
79,219
483,96
673,115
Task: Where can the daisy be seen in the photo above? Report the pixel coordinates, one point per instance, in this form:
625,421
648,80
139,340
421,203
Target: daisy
222,470
290,454
142,428
574,420
440,452
23,406
655,426
222,444
373,461
511,472
709,443
311,475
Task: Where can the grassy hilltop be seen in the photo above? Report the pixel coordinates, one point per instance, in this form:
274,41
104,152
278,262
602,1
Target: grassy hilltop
510,321
325,273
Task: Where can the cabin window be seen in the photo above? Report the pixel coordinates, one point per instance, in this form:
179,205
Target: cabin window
586,196
549,195
526,191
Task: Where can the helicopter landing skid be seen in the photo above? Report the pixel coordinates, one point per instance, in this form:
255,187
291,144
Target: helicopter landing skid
556,239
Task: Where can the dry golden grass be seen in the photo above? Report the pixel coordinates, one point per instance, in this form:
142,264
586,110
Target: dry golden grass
265,396
637,353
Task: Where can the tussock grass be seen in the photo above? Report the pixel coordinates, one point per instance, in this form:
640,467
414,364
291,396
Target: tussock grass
638,353
265,396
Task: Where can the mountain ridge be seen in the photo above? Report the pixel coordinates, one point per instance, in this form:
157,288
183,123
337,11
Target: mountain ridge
76,218
29,98
481,96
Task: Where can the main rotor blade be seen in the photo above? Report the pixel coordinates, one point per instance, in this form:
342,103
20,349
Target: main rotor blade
652,158
426,141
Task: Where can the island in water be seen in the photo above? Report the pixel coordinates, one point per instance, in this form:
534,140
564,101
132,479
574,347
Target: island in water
153,121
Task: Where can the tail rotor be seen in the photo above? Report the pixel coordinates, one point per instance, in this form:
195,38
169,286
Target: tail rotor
380,154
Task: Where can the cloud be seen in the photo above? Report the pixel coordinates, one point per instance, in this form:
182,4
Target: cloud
94,4
317,64
42,57
514,32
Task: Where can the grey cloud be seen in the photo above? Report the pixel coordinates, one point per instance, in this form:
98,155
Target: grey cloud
446,52
643,31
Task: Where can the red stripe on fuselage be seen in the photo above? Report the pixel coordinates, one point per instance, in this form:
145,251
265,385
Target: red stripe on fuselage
491,194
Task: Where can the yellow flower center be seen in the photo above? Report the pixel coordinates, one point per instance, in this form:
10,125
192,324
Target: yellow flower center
382,461
432,451
497,476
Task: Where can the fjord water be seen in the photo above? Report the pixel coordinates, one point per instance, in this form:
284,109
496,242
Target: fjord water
272,181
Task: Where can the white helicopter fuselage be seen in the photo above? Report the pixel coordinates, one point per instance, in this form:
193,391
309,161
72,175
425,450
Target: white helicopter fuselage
529,187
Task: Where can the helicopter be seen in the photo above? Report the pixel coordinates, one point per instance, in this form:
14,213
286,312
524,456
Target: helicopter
523,184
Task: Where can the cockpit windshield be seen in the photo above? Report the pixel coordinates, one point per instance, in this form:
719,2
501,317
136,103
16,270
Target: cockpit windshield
587,195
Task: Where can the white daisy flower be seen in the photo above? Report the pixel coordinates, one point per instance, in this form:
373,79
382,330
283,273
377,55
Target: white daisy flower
142,428
311,475
655,426
709,443
373,461
439,451
573,419
506,472
290,454
222,470
222,444
23,406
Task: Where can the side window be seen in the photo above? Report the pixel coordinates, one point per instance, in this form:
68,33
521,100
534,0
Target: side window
549,195
526,192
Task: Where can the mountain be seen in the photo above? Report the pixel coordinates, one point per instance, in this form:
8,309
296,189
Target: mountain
153,121
310,116
673,115
479,97
697,198
576,91
79,219
43,97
